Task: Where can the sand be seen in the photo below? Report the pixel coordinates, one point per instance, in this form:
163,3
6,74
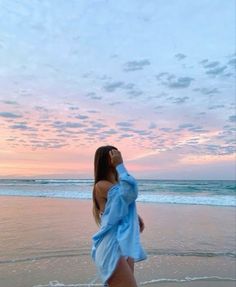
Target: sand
47,239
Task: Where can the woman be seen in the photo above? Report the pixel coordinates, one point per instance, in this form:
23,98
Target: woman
116,246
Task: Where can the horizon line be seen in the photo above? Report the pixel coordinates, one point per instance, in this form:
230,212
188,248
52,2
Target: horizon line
166,179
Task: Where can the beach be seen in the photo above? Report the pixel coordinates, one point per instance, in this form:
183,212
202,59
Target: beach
47,242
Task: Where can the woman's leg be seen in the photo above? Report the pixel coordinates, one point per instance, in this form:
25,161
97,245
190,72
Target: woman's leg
122,276
131,263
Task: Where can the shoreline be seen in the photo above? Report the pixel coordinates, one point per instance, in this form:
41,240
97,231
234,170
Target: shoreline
137,201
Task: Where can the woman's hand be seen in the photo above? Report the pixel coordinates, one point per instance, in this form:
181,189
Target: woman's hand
141,223
115,157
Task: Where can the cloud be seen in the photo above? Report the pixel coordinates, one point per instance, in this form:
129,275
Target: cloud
47,144
74,108
212,64
207,91
141,132
10,103
87,75
158,107
193,141
166,129
161,75
111,87
124,124
125,136
129,86
9,115
115,103
99,125
162,95
172,82
134,93
136,65
197,129
26,92
214,68
103,77
93,111
212,148
110,132
227,75
216,71
130,132
182,82
204,61
191,127
214,107
232,118
81,117
220,150
229,149
96,97
187,125
152,125
22,127
93,96
229,128
180,56
41,108
114,56
91,130
65,125
232,63
180,100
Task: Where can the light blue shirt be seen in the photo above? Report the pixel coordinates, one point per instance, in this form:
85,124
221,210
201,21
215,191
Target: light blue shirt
119,234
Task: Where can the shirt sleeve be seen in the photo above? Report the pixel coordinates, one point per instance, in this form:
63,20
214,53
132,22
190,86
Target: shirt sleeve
128,184
119,201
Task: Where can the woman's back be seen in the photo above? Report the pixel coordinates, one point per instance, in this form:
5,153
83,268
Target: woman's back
101,189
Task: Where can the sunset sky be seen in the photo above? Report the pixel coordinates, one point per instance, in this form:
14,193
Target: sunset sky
154,78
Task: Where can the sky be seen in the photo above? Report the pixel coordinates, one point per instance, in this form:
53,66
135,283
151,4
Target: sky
154,78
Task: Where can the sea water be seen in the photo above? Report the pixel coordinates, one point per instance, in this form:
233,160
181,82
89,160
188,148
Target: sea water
194,192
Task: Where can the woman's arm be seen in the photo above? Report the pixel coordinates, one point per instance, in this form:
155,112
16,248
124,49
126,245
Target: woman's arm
128,184
141,223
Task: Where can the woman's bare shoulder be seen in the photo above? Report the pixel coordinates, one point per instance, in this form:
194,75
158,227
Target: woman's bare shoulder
102,187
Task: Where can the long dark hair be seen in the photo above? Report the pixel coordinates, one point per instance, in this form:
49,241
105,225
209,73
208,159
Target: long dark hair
102,167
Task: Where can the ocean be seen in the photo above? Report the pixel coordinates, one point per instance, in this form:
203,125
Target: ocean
193,192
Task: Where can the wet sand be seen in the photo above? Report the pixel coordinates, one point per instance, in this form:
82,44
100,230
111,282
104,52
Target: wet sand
47,239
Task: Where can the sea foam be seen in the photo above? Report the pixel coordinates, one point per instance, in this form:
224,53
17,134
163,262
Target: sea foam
56,283
214,193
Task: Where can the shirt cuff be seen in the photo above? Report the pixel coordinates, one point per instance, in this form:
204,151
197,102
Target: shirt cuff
121,169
